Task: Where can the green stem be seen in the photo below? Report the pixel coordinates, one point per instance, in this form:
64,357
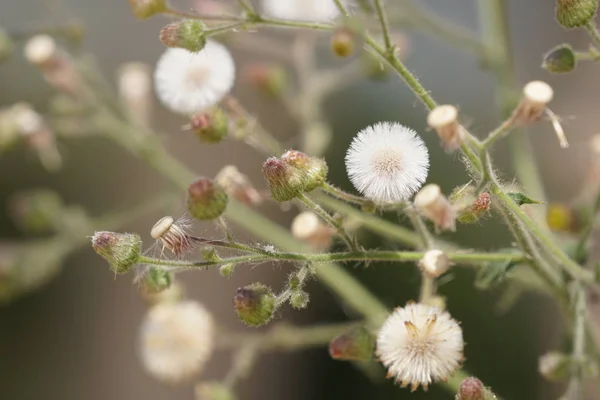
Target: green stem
345,196
592,29
324,215
575,388
385,29
581,253
499,132
247,7
342,8
570,266
369,255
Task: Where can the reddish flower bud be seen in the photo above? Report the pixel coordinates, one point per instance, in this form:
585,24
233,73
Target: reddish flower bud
356,343
186,34
206,200
211,126
254,304
121,250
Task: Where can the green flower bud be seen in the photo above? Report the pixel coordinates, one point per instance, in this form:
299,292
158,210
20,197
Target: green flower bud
210,127
144,9
299,299
226,270
272,80
206,200
121,250
560,59
314,169
356,343
254,304
36,211
157,280
575,13
285,182
343,43
186,34
473,212
213,391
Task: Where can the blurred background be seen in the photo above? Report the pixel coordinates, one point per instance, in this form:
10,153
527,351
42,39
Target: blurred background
75,338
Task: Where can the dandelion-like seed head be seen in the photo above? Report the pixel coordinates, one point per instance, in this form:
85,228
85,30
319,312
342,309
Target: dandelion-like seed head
419,344
301,10
189,83
387,162
176,340
173,235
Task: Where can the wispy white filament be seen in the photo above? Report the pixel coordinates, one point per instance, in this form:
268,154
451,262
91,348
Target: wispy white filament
301,10
419,344
188,83
387,162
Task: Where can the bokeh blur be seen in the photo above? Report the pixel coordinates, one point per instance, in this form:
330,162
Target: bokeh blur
75,338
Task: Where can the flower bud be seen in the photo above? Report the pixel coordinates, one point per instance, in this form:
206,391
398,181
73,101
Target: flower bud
285,182
314,169
272,80
536,96
560,59
157,280
226,270
555,366
444,119
206,200
135,92
121,250
238,186
299,299
435,206
144,9
187,34
254,304
355,344
343,42
57,67
36,211
471,389
308,227
434,263
213,391
575,13
473,212
6,45
211,126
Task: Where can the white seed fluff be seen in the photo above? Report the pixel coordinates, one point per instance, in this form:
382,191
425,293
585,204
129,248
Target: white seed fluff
188,83
387,162
301,10
419,344
176,340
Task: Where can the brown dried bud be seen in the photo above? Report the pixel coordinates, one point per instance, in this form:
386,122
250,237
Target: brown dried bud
444,119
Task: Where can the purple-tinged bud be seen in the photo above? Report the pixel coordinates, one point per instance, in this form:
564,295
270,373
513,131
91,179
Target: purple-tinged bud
285,182
560,59
157,280
121,250
211,126
355,344
471,389
213,391
299,299
36,211
575,13
206,200
144,9
187,34
474,211
254,304
314,169
269,79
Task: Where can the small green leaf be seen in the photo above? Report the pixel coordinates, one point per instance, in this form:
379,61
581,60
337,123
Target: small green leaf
521,199
494,273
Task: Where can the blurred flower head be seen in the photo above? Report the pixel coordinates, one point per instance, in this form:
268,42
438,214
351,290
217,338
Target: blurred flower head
301,10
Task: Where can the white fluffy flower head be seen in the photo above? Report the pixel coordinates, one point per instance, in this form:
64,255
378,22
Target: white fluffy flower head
387,162
188,83
301,10
176,340
419,344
